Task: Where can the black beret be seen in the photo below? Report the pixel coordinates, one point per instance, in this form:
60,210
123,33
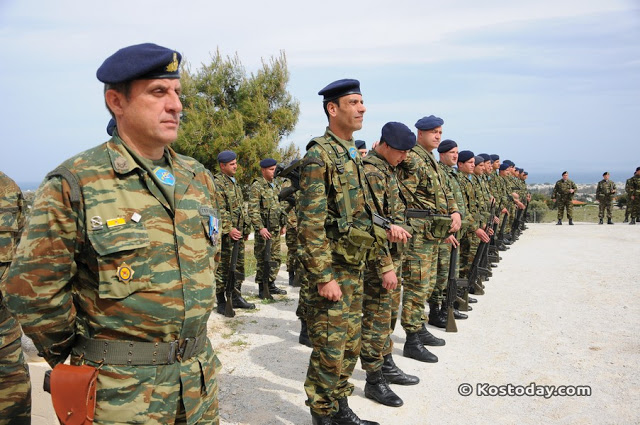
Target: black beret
494,157
464,156
140,62
226,156
340,88
637,169
605,173
361,144
268,162
398,136
564,172
111,126
427,123
446,145
504,166
479,159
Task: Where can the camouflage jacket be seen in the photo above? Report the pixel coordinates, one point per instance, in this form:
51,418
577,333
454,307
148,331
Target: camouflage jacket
473,203
119,264
606,189
632,186
265,211
451,177
561,189
232,213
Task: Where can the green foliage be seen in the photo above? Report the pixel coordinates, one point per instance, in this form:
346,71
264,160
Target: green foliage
537,209
224,108
622,201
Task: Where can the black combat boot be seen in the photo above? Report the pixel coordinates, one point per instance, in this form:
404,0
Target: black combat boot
320,420
426,338
435,318
609,221
239,302
378,390
222,303
570,222
626,219
472,300
458,315
346,416
394,375
633,220
292,277
559,223
414,349
600,221
274,290
304,334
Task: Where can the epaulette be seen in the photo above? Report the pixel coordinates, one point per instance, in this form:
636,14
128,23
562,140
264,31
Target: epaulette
72,180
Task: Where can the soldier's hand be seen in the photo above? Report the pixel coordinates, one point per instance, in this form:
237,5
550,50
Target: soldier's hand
490,231
505,211
496,220
389,280
456,222
330,290
235,234
482,235
283,230
453,241
265,233
397,234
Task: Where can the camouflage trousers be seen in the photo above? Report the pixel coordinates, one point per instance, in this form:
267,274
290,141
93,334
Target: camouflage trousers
634,207
291,239
334,330
562,204
468,248
442,274
419,268
301,310
605,204
379,309
15,383
222,271
258,251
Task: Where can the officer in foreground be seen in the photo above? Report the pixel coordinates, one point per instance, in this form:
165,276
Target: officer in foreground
15,385
632,187
604,194
116,265
563,192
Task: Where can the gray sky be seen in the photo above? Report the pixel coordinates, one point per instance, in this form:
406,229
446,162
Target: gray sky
549,84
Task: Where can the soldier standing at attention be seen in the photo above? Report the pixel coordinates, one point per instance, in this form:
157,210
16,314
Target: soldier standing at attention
235,226
116,265
604,194
361,145
268,220
15,384
336,235
563,192
381,297
632,188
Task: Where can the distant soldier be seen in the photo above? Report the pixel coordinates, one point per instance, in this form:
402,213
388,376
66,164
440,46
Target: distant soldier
361,145
604,194
235,227
268,218
633,192
15,386
563,193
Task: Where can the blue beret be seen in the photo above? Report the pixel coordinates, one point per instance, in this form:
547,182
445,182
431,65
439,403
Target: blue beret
446,145
340,88
509,163
226,156
525,173
637,169
486,156
361,144
268,162
504,166
140,62
398,136
519,170
464,156
479,159
111,126
427,123
494,157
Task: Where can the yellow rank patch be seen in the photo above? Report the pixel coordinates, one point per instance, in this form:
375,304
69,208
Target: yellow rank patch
125,273
115,222
173,66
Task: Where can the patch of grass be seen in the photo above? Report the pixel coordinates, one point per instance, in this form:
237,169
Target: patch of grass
240,343
585,213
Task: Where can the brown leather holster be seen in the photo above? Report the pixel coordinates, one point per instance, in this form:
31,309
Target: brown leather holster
73,393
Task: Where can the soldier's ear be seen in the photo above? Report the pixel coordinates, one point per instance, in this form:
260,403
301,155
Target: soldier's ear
115,101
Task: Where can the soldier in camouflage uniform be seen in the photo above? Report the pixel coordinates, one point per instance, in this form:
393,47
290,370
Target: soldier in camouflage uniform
15,386
563,192
424,187
267,217
633,192
336,235
604,194
116,265
234,227
291,237
381,298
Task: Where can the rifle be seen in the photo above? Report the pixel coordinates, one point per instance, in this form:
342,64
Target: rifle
452,290
291,172
234,276
381,221
515,227
416,213
524,217
501,232
266,271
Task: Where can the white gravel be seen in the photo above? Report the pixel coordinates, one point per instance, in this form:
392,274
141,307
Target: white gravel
561,310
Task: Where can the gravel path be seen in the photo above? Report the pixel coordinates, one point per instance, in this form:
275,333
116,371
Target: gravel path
561,310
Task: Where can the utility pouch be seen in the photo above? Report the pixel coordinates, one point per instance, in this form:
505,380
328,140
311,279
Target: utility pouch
355,246
399,247
440,227
380,242
73,393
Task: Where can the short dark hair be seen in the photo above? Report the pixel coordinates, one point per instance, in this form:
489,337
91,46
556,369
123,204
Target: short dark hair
124,88
325,103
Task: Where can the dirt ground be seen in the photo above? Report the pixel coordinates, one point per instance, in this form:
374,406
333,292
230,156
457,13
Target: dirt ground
560,310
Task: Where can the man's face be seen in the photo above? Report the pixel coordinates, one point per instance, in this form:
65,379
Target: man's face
229,168
450,158
150,116
496,164
348,114
606,177
392,155
565,177
268,173
430,139
479,169
363,152
467,167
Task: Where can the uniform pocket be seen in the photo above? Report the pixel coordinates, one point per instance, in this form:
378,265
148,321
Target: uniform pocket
124,394
123,260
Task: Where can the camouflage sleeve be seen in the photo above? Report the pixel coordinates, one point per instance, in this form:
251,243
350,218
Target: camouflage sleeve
312,213
254,207
225,217
378,184
452,206
38,285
